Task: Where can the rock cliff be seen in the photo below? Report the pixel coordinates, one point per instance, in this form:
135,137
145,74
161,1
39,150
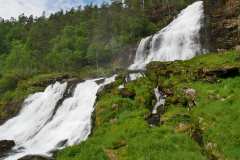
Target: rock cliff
222,20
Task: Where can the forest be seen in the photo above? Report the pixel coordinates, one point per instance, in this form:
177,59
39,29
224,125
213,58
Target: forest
84,36
124,80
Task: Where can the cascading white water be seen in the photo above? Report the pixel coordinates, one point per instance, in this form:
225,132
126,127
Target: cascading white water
36,111
180,40
142,52
70,125
161,99
38,130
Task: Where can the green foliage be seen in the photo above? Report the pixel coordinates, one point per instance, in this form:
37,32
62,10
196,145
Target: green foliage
92,36
121,130
218,113
19,59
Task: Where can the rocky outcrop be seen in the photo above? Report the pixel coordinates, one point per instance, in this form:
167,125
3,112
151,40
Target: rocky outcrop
212,75
6,146
127,93
222,24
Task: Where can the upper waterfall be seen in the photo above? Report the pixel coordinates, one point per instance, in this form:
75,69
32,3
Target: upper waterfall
180,40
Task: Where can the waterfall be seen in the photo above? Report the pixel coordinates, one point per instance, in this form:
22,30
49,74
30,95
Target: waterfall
161,99
180,40
42,126
36,111
36,132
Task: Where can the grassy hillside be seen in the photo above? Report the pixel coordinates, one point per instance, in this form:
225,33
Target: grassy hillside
198,127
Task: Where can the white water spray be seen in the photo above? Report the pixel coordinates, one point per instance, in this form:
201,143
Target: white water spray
161,99
36,111
37,130
70,125
180,40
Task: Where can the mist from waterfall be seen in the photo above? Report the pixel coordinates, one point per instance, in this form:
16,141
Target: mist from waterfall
180,40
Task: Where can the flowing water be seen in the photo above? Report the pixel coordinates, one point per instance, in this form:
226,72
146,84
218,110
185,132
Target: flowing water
42,127
180,40
161,99
36,132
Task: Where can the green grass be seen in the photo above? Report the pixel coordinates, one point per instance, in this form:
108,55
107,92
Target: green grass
122,133
218,114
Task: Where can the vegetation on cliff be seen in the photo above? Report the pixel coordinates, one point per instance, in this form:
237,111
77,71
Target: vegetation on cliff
201,125
205,129
81,37
83,42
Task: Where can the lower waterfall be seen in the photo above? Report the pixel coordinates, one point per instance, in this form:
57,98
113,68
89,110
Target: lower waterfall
180,40
36,133
40,128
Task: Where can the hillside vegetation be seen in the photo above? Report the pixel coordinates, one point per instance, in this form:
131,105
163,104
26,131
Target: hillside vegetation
203,126
83,42
88,36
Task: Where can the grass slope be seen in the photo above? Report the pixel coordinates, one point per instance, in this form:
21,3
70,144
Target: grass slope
209,130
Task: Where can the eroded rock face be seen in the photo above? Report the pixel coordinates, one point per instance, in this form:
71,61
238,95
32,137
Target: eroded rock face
6,146
222,20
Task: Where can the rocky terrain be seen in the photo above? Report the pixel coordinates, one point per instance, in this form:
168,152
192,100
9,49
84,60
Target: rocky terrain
222,24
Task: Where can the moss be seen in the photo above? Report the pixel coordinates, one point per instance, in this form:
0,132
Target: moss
207,131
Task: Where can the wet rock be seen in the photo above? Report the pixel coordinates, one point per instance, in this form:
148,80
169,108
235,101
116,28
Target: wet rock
168,92
104,89
45,83
126,93
153,120
100,81
35,157
6,146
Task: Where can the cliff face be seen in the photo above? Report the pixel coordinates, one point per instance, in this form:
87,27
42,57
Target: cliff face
222,23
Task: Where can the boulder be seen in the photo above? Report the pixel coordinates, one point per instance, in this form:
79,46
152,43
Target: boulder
153,120
127,94
100,81
6,146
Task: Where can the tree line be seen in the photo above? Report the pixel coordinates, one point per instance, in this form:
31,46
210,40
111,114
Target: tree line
82,36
